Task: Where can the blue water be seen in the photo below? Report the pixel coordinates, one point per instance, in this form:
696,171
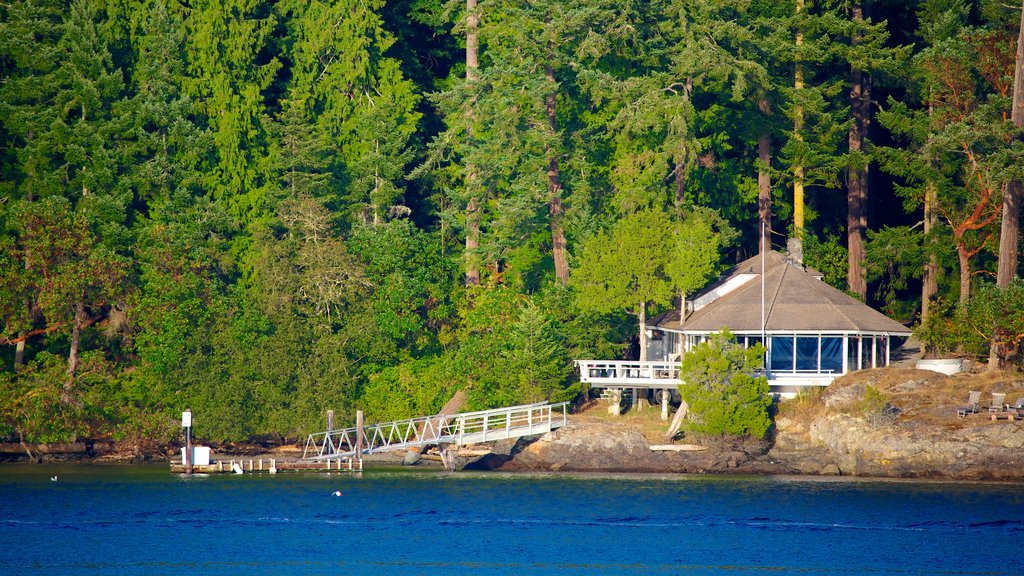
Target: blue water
119,520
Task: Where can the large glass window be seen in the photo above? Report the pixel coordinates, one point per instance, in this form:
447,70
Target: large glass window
782,353
832,354
807,353
851,354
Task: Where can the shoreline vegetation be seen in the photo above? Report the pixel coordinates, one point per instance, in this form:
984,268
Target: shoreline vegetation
884,423
264,210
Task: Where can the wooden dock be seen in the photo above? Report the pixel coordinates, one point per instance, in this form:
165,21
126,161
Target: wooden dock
265,465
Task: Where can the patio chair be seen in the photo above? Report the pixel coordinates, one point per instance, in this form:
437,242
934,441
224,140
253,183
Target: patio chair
972,404
997,405
1019,406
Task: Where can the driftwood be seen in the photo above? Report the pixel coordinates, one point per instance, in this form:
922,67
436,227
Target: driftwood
677,421
453,406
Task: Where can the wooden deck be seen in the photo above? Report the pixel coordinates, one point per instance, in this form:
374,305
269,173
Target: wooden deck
268,465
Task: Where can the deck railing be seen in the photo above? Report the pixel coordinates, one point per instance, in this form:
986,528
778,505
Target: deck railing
629,373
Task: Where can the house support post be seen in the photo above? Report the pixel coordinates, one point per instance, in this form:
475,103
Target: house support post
664,404
640,399
615,402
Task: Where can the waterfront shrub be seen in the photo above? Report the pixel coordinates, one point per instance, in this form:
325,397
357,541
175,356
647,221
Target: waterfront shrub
723,388
993,316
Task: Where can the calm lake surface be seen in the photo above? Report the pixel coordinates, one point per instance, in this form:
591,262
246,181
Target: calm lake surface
131,520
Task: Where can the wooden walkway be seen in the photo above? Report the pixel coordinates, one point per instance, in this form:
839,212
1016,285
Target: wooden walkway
451,430
267,465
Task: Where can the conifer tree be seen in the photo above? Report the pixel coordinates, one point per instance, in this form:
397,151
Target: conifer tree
352,98
227,47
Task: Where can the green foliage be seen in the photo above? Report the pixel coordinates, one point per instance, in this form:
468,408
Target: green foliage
993,316
874,407
625,267
698,242
722,389
895,255
218,195
872,401
415,289
828,257
996,316
36,407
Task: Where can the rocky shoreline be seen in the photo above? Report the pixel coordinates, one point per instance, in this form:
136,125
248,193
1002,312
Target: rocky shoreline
887,423
913,432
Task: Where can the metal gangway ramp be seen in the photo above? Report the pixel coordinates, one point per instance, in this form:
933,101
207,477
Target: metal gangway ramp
454,429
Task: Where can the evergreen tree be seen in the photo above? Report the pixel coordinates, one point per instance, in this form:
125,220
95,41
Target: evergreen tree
230,68
348,93
161,146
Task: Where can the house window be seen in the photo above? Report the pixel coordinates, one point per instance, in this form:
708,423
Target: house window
831,354
806,353
782,353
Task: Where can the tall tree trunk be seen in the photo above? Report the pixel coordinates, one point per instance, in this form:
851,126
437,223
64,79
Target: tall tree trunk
472,207
930,282
1009,230
764,192
555,189
965,276
76,338
679,172
796,243
1009,235
643,331
19,348
857,176
472,243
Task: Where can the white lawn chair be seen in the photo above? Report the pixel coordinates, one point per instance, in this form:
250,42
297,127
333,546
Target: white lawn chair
972,404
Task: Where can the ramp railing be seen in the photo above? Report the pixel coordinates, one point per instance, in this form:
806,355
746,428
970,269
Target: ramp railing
458,429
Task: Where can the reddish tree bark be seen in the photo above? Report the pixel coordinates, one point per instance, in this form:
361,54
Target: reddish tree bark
555,190
472,207
764,192
1009,235
857,173
1009,230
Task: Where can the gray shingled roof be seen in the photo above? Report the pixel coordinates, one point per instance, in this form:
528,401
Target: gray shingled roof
794,300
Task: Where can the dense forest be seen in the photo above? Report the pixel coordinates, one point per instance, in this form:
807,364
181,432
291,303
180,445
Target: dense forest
264,209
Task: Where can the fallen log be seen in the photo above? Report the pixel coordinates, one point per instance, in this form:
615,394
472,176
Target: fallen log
453,406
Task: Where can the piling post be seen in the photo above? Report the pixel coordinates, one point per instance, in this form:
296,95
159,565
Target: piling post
359,435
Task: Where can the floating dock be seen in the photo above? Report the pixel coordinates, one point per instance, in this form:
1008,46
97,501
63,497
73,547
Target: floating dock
265,465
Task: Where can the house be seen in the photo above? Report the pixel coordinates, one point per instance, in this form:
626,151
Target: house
813,333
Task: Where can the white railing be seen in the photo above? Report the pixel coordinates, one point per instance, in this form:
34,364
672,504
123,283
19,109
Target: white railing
458,429
629,373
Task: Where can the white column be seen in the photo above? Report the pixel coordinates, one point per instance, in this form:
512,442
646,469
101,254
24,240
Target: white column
846,353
